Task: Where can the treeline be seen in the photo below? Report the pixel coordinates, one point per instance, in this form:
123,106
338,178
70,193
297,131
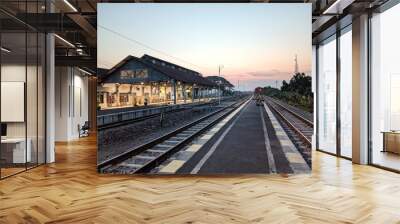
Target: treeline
296,93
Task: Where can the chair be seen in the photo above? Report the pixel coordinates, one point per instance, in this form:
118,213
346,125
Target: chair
84,130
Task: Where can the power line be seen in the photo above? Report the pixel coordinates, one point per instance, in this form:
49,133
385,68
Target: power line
146,46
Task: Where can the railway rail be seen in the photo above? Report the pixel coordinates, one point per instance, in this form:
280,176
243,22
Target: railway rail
299,128
144,158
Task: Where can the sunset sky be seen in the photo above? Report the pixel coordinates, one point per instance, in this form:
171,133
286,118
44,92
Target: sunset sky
255,43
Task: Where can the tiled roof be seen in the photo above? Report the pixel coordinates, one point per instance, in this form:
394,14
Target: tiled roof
101,72
171,70
223,81
180,75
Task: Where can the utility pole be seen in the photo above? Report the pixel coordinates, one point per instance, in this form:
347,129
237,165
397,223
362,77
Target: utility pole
296,65
219,83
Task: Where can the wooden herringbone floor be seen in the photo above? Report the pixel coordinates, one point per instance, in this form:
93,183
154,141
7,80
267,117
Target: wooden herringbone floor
70,191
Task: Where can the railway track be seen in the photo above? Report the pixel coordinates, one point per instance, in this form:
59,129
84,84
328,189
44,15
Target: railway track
163,111
299,128
149,155
122,123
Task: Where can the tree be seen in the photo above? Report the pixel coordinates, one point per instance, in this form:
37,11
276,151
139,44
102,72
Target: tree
285,86
299,83
296,92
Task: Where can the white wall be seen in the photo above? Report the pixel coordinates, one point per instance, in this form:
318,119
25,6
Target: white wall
11,73
61,103
81,102
16,73
33,126
71,102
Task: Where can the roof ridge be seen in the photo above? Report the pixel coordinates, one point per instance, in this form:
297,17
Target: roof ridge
147,55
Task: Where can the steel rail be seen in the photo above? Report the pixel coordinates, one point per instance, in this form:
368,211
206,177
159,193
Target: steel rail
290,124
148,145
308,122
164,156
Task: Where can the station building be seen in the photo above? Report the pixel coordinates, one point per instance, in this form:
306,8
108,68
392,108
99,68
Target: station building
224,85
149,80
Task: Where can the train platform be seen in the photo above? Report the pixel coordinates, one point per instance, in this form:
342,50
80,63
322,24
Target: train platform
129,108
249,140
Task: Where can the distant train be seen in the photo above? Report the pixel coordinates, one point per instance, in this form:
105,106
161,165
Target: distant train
258,96
258,90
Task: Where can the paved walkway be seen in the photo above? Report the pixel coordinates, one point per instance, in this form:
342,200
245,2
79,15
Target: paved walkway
250,140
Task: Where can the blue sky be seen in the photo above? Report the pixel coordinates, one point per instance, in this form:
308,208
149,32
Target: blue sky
255,43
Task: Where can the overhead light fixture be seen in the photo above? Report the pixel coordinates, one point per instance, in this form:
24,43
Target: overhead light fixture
5,50
70,5
84,71
64,40
331,7
337,7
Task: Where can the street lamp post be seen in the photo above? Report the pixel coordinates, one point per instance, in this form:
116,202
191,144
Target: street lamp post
238,88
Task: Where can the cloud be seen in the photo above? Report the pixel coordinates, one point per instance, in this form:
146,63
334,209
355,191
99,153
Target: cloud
253,79
273,74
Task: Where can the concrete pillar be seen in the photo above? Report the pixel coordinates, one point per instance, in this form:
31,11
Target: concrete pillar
193,93
50,96
184,92
131,97
151,93
142,91
106,99
360,90
117,94
166,95
174,90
